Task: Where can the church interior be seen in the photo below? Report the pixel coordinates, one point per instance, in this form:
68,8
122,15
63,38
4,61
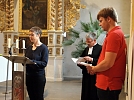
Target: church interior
55,18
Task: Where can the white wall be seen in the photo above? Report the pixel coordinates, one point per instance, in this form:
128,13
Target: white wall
4,62
3,69
122,7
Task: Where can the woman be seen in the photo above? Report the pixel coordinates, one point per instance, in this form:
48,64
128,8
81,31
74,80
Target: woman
35,74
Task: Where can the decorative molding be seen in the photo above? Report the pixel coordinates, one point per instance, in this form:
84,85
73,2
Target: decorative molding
59,39
51,50
51,15
51,39
2,15
60,15
71,13
59,51
9,15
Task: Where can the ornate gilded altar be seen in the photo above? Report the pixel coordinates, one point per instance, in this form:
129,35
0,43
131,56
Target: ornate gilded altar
61,15
15,18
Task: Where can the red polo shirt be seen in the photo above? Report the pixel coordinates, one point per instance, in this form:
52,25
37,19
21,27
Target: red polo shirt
114,77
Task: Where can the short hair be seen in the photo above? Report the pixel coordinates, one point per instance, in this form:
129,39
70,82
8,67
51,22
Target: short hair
91,35
36,30
108,12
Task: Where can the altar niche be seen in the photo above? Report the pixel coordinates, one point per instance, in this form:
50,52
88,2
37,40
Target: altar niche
32,13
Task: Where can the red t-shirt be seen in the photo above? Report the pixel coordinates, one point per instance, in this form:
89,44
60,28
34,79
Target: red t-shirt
114,77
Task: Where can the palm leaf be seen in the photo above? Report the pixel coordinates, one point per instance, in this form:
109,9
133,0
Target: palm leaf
67,42
74,33
85,26
91,20
76,54
91,26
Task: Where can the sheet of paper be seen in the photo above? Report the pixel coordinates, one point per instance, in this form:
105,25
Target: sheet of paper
81,60
74,60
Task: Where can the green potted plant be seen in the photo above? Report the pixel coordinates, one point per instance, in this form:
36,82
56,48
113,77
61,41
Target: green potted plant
74,35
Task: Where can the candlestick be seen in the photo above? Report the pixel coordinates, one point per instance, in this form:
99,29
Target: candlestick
17,43
23,44
9,42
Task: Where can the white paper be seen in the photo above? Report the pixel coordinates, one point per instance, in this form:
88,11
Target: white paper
80,59
75,60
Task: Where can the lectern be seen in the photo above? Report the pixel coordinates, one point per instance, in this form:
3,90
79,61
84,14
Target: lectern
18,77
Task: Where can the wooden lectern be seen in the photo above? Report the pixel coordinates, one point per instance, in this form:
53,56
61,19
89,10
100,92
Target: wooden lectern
18,77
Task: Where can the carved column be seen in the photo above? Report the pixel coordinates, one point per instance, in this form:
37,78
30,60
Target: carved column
2,15
8,30
51,15
54,69
9,15
60,15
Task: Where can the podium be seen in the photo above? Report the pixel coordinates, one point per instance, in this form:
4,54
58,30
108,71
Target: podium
18,77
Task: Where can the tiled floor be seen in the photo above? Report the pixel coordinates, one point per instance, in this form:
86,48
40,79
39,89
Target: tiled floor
68,89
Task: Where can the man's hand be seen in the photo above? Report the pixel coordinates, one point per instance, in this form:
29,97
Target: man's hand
90,70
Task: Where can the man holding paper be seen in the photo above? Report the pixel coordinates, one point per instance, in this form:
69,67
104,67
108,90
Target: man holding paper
112,61
91,55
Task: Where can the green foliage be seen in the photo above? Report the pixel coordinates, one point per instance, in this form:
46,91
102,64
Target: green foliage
73,34
67,42
92,26
79,49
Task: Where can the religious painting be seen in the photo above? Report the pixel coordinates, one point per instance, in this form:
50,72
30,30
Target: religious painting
33,13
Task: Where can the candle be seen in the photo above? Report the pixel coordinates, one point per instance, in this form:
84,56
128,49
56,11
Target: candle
23,44
9,42
17,43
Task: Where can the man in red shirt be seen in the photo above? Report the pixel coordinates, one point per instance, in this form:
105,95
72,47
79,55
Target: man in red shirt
111,65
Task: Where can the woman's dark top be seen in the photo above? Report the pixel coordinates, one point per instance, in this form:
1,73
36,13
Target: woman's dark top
40,57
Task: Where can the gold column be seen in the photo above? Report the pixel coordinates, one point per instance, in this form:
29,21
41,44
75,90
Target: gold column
51,15
9,15
2,15
60,15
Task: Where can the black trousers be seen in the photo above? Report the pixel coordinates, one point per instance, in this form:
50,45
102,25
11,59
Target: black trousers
108,95
89,90
35,86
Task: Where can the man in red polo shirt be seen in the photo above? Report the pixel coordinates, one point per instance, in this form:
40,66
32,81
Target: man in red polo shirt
111,65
